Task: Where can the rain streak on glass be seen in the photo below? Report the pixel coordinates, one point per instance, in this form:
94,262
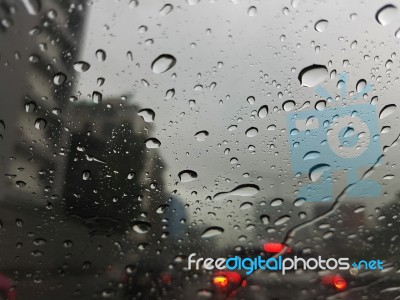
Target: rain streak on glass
245,190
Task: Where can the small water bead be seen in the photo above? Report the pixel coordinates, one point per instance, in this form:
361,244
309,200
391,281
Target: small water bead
101,55
251,132
59,78
153,143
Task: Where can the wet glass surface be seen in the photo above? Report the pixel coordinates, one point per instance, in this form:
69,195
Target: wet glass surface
134,133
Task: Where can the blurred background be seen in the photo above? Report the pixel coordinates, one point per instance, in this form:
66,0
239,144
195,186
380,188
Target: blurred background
134,133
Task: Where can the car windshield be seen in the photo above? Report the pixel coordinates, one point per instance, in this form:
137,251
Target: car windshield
199,149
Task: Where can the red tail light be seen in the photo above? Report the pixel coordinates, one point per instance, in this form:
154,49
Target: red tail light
340,283
337,281
220,281
166,278
276,248
224,278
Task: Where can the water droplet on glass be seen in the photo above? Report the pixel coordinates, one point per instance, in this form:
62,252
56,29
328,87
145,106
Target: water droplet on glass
387,111
56,111
317,171
263,111
147,114
348,132
204,294
244,190
153,143
359,209
285,11
86,175
145,83
320,105
397,34
169,94
34,59
313,75
163,63
97,97
281,220
321,25
245,205
162,208
385,129
299,202
252,11
251,132
361,84
212,231
276,202
232,128
133,3
386,14
81,66
264,219
198,87
251,100
288,105
311,155
40,123
166,9
192,2
30,107
101,55
187,175
201,135
52,14
59,78
141,227
100,81
20,183
39,242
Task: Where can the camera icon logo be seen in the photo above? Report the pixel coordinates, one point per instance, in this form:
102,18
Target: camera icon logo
338,138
